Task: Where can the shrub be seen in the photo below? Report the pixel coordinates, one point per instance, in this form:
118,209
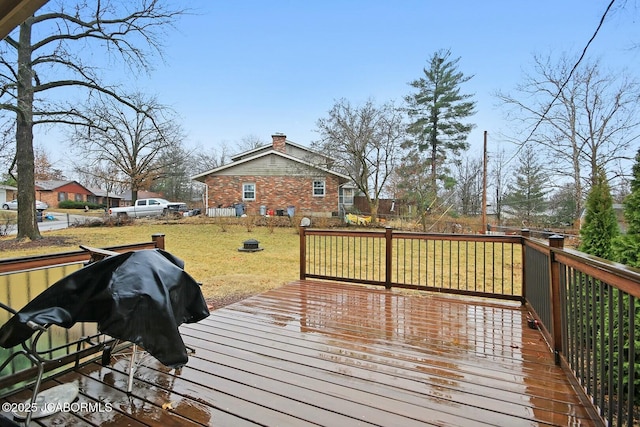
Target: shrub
7,224
72,204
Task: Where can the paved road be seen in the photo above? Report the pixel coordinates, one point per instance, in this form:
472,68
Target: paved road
59,221
62,220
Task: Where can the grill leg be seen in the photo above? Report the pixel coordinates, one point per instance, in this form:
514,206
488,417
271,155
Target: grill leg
132,368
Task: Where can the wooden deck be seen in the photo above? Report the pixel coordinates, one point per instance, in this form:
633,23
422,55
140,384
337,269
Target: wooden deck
317,353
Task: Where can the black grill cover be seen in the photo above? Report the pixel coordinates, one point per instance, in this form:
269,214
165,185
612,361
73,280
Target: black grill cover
140,296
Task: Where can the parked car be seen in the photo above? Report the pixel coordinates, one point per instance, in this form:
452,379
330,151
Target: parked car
13,205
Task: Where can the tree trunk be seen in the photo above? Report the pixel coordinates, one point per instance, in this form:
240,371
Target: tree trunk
27,225
373,207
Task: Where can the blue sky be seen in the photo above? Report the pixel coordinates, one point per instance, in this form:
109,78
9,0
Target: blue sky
243,67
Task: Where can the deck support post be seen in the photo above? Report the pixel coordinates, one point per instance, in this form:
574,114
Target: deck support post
555,241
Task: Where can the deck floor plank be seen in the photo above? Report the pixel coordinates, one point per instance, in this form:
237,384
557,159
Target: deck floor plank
320,353
377,367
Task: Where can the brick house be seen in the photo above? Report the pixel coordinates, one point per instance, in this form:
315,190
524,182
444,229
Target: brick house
55,191
277,177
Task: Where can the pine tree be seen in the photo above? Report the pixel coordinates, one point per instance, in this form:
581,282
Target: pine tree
437,111
626,248
525,199
600,224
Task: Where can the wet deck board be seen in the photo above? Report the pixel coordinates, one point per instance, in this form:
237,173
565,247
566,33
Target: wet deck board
316,353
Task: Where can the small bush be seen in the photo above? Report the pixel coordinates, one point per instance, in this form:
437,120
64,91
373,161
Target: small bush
7,224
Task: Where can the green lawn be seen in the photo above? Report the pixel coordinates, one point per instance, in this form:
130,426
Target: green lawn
209,249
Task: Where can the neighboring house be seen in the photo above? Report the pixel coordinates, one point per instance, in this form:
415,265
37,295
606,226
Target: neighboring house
54,192
102,197
280,177
7,193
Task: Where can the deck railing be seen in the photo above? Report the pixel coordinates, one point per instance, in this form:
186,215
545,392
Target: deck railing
587,308
590,316
463,264
22,279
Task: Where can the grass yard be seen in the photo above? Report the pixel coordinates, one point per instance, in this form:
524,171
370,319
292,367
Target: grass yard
210,251
209,248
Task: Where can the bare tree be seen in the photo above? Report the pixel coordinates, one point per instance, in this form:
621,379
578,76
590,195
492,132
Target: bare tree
203,160
249,142
592,125
468,179
174,179
102,175
130,140
43,168
47,56
498,176
364,142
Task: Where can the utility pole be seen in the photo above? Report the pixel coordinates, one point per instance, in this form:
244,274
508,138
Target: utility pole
484,185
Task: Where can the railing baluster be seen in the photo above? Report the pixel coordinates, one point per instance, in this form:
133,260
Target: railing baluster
631,356
620,382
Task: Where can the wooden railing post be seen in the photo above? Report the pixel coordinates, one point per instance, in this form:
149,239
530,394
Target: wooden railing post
525,233
556,241
158,239
303,252
388,265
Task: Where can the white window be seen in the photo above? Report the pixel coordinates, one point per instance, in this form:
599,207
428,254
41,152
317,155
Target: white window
318,188
346,196
249,191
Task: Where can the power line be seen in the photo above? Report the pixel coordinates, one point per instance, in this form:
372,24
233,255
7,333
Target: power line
566,81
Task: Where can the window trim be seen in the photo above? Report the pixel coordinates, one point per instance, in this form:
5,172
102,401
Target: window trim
347,200
244,191
324,187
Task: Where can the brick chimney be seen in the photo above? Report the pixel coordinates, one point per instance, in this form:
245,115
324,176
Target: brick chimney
279,142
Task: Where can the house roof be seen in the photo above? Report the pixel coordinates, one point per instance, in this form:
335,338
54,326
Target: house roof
55,184
102,193
200,177
266,146
8,187
14,12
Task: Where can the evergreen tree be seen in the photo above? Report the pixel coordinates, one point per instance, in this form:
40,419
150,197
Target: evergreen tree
626,248
562,205
437,111
600,225
525,199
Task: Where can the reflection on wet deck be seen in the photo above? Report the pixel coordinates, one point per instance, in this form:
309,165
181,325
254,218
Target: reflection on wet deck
313,353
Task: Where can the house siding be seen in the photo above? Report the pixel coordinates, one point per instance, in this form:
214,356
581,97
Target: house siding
275,192
271,165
